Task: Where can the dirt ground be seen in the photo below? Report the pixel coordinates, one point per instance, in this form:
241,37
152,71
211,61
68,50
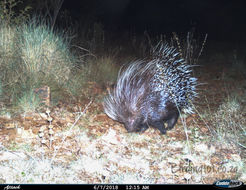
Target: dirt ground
78,143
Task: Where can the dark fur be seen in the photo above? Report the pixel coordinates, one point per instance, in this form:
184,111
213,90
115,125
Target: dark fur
151,93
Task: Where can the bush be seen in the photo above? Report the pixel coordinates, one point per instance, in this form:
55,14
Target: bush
103,70
33,55
46,52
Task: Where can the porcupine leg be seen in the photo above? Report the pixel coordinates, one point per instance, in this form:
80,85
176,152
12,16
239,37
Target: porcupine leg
160,125
143,128
172,120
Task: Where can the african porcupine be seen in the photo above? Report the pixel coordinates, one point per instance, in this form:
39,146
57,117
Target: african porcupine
151,93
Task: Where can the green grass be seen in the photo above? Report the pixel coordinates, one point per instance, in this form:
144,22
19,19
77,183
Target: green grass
44,51
33,55
29,102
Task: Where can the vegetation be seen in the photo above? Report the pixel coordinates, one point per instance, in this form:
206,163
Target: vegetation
72,141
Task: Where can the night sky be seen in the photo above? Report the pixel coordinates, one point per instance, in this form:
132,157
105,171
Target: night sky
223,20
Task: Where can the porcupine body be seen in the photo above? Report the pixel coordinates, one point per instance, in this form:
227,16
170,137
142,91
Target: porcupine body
152,93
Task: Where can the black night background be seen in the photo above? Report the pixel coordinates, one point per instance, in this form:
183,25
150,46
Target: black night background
97,92
222,20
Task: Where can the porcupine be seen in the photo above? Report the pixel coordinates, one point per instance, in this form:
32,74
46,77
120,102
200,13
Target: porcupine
152,92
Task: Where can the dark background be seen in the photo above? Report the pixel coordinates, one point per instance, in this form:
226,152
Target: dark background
223,20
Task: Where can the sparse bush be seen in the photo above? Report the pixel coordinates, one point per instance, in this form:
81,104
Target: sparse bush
103,70
230,123
190,48
9,59
9,15
77,82
7,40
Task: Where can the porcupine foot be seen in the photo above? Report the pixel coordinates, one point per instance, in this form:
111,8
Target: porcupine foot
143,128
171,121
160,125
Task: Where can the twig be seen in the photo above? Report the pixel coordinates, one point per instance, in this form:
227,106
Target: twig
86,51
203,44
64,138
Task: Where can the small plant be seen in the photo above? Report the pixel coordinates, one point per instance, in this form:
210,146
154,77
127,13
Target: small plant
29,102
98,38
103,70
78,82
190,48
10,16
43,135
9,59
229,123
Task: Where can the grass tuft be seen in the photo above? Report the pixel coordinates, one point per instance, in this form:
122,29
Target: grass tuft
44,51
29,102
230,123
33,55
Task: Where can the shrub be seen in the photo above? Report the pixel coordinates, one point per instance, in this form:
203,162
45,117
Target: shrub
33,55
44,51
